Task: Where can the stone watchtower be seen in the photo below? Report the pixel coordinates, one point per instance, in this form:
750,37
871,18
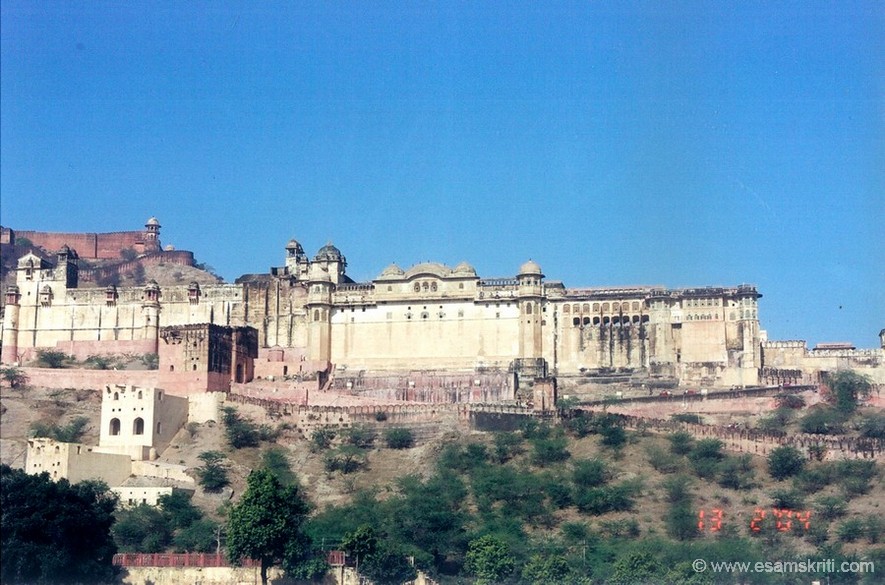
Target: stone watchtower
530,293
10,325
152,235
332,261
319,314
150,310
297,264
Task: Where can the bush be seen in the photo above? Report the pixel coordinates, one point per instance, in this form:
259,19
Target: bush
51,358
151,361
705,457
590,473
791,499
814,479
507,446
662,461
736,473
346,459
321,439
399,438
361,437
240,433
850,530
275,460
872,425
784,462
69,433
687,417
213,473
822,420
141,529
549,450
848,387
681,443
787,400
14,377
601,500
380,416
830,507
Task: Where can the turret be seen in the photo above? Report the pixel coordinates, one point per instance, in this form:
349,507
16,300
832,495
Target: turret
530,293
152,235
297,263
67,268
10,325
150,309
319,304
330,258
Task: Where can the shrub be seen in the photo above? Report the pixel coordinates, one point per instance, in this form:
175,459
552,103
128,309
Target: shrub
240,433
872,425
346,459
822,420
69,433
100,362
321,439
507,446
736,473
399,438
787,400
51,358
663,461
380,416
359,436
687,417
549,450
830,507
14,377
275,460
151,361
601,500
873,529
850,530
705,457
784,462
681,443
814,479
848,387
580,425
213,473
791,499
590,473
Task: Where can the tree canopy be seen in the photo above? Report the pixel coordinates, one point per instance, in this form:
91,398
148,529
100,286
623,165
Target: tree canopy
267,524
55,532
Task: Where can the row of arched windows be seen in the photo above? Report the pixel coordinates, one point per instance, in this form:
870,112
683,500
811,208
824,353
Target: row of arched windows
137,427
604,307
617,321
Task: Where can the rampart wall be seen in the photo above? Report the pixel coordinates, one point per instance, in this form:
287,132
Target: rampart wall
176,257
90,379
94,246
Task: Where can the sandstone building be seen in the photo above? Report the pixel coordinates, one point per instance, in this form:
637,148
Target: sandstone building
311,317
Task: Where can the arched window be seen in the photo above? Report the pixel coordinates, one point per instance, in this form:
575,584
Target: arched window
596,320
159,427
586,320
566,310
605,307
576,321
616,307
139,395
595,307
115,427
116,396
528,308
585,308
316,315
138,426
635,305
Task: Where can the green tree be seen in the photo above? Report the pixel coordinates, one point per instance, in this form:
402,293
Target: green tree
399,438
321,439
636,566
507,446
275,460
360,543
143,529
388,565
69,433
178,509
346,459
240,433
847,388
200,536
489,558
546,569
213,473
681,443
14,377
267,525
54,532
784,462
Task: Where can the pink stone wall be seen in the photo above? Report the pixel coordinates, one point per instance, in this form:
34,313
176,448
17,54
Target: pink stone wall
90,246
83,349
89,379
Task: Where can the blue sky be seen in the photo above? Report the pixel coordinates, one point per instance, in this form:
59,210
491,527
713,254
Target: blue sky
615,143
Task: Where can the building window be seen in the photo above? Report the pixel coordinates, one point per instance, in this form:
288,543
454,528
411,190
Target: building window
528,308
159,428
116,396
139,395
138,426
115,427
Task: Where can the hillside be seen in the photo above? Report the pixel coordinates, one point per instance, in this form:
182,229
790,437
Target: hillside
580,492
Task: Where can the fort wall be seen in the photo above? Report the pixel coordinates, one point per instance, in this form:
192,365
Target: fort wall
94,246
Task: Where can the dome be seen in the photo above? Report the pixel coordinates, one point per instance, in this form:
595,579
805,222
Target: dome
169,248
392,271
152,221
329,253
431,268
530,267
464,269
293,244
